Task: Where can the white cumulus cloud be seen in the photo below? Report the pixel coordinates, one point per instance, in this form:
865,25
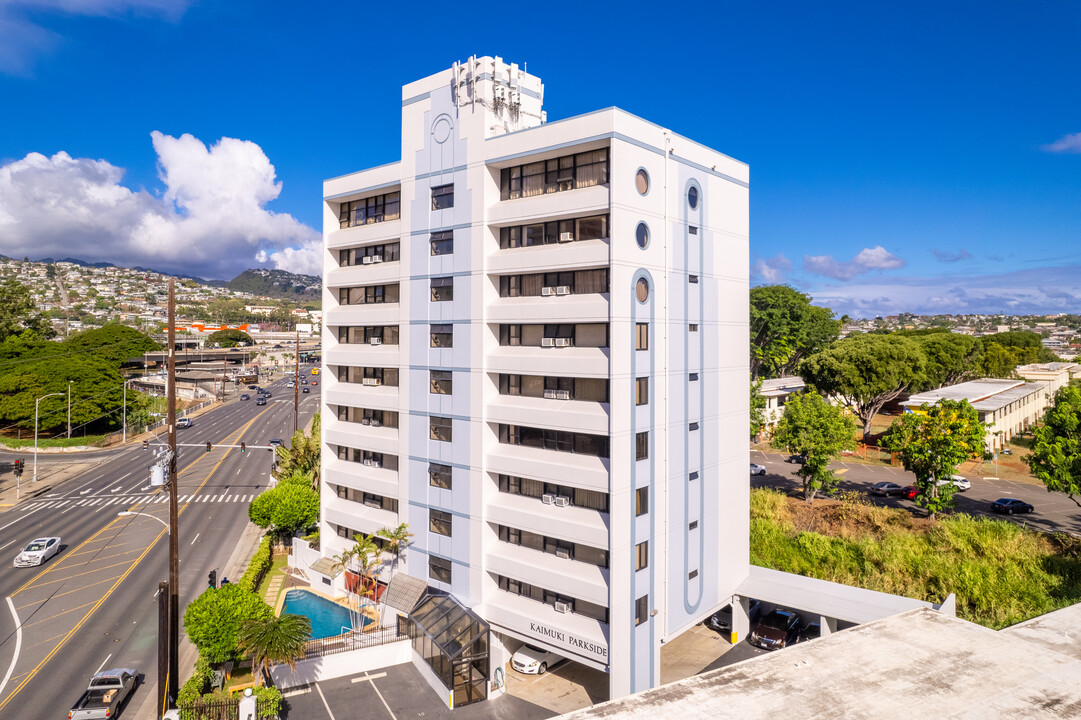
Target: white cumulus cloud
771,270
210,221
867,260
1065,144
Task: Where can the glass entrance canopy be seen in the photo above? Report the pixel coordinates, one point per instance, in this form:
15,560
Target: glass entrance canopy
454,643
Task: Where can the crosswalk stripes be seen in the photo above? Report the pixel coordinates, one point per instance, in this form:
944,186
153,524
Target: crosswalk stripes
102,502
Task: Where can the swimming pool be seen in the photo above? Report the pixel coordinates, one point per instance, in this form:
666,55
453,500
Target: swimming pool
328,618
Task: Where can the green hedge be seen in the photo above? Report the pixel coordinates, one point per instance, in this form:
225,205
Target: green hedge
258,566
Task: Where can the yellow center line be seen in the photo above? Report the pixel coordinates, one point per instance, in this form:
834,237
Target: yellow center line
29,676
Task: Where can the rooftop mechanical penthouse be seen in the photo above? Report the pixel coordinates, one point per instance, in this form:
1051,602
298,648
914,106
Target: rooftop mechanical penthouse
535,354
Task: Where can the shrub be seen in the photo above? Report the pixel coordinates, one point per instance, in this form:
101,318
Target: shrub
213,619
260,563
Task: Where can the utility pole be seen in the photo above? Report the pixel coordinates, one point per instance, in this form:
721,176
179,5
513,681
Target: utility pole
174,532
69,408
296,387
224,366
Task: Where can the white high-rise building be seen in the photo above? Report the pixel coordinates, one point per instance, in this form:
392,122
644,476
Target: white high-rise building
535,354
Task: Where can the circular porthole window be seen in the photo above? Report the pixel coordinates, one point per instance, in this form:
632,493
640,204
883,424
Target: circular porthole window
641,289
641,181
692,197
641,234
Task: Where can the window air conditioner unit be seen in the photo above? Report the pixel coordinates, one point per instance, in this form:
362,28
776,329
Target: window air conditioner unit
366,461
563,553
563,394
562,607
547,291
548,342
377,258
566,237
562,501
366,260
548,498
365,421
377,463
371,381
376,341
563,342
376,423
550,394
563,290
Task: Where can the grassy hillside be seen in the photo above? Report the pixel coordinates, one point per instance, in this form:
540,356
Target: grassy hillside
1001,572
277,284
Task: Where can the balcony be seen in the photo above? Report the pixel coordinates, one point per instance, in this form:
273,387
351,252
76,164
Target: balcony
572,415
357,516
377,397
570,203
368,314
589,471
567,577
535,360
377,439
360,477
586,308
560,256
574,524
379,273
389,230
362,355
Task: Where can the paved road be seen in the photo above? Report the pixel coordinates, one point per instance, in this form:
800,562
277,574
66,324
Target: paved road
94,605
1054,511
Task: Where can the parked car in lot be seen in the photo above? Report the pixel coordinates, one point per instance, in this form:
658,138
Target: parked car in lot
887,489
1009,506
534,660
184,422
37,552
721,621
800,459
778,629
104,696
959,483
758,469
810,631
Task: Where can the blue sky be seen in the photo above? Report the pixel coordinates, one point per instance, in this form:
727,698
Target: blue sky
920,157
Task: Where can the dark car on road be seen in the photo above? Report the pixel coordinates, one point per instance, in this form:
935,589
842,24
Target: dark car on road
305,389
778,629
800,459
721,621
245,396
887,489
261,401
1009,506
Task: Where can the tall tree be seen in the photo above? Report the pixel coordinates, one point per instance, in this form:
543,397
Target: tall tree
212,620
19,313
397,540
819,431
758,407
951,358
785,328
229,338
302,455
932,442
1056,448
274,640
865,372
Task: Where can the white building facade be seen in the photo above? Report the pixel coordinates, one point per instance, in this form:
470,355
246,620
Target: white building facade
535,353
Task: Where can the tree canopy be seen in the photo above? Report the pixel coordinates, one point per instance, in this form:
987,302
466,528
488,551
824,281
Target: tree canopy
274,640
932,442
19,313
212,621
785,328
951,358
817,430
289,506
865,372
1056,447
229,338
758,408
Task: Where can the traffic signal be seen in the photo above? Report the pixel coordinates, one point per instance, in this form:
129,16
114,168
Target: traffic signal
19,468
146,444
212,578
243,447
208,446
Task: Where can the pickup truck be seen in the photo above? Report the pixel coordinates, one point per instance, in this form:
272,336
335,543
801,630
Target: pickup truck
105,695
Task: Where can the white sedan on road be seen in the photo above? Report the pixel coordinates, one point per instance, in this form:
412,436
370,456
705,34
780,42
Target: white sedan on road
959,483
37,552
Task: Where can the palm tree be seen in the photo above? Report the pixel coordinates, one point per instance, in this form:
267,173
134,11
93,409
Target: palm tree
302,455
397,541
277,640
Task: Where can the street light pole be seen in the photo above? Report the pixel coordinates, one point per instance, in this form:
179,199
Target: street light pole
37,406
296,388
69,408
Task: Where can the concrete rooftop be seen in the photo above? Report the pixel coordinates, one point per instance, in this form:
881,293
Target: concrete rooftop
919,664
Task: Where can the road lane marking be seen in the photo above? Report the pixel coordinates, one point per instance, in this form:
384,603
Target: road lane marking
195,538
18,519
5,545
103,663
18,646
